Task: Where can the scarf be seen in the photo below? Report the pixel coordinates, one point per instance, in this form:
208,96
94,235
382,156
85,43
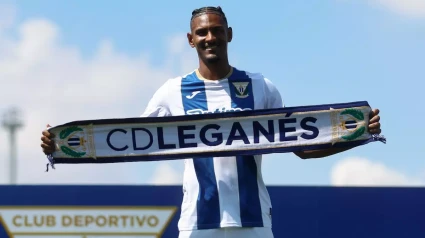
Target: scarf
254,132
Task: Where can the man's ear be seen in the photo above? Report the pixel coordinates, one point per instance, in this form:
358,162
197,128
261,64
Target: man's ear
190,40
229,34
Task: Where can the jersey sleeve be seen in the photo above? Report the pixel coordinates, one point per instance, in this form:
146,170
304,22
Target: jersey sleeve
274,98
157,106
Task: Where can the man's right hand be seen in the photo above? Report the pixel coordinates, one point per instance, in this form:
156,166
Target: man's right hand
47,142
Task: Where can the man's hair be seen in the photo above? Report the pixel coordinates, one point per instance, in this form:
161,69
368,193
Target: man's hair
206,10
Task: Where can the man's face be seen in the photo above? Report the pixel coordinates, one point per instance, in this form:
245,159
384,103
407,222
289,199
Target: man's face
210,35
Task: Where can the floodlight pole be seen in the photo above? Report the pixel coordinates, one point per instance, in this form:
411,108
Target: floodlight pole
12,122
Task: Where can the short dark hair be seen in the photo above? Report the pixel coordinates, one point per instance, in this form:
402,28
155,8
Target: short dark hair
204,10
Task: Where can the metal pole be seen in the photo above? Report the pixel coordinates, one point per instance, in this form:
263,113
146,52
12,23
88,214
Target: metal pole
13,158
12,123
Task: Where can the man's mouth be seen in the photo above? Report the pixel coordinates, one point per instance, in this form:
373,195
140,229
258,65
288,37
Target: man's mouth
211,47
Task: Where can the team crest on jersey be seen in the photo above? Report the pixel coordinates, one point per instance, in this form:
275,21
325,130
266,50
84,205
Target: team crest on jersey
241,89
76,141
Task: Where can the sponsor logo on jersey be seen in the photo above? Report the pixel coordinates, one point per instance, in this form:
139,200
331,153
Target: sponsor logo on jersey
193,94
218,110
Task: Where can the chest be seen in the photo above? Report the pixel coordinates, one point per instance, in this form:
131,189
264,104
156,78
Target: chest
205,97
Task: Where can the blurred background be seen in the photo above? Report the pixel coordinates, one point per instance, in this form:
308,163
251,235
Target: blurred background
74,60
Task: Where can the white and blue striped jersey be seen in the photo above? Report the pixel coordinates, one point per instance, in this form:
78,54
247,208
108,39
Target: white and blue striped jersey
219,191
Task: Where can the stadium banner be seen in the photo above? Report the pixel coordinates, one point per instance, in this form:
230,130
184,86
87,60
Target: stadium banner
252,132
130,211
83,221
89,211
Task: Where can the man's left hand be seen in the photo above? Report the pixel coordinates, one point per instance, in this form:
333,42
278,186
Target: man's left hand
374,124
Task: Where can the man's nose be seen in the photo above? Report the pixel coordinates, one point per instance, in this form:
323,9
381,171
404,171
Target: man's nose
210,37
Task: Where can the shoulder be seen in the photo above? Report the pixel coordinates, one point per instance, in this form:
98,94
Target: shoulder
257,78
175,83
172,84
265,86
170,89
164,98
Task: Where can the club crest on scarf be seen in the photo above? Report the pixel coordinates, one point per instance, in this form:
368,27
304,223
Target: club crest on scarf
241,89
76,141
349,124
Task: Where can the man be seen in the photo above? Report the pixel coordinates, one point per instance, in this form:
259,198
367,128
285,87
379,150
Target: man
226,196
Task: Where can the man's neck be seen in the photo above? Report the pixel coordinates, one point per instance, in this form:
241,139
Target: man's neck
214,71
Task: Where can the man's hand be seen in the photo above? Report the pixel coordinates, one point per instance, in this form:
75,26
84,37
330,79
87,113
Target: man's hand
374,127
47,142
374,124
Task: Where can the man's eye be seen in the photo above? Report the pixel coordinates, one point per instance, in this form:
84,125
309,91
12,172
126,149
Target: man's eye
219,30
201,32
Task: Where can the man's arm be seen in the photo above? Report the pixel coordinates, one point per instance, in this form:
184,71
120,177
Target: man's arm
275,101
313,154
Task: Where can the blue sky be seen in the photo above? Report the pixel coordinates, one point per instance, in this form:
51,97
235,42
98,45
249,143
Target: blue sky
314,51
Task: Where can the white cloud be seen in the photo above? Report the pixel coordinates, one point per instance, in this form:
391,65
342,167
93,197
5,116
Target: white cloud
177,44
411,8
167,174
52,83
363,172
